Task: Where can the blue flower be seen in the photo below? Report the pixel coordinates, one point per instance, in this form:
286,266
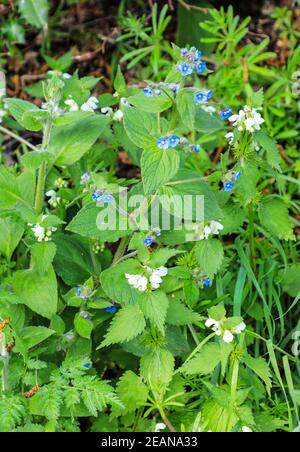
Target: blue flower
200,67
148,92
207,282
87,365
183,51
85,315
158,92
228,186
185,69
226,114
198,55
209,94
173,141
162,143
78,292
97,196
197,148
237,175
108,199
111,309
148,241
175,87
200,98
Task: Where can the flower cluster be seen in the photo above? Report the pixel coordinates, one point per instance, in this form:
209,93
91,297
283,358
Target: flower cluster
249,119
228,181
173,141
225,328
152,278
42,233
53,200
89,106
61,183
156,89
117,115
203,231
83,292
201,279
203,96
102,195
191,61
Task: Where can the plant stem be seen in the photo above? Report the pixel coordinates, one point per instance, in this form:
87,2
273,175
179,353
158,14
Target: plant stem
20,139
5,358
251,239
121,249
39,197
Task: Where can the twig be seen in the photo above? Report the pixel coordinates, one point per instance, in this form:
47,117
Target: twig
190,7
18,138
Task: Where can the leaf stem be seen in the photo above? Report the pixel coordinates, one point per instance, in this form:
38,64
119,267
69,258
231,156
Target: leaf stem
18,138
121,249
39,197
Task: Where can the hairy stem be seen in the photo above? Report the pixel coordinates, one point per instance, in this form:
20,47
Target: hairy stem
39,197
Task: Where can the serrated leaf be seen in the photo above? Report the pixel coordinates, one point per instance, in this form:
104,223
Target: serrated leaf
209,254
154,306
269,145
42,255
179,314
128,323
158,367
261,368
204,362
132,392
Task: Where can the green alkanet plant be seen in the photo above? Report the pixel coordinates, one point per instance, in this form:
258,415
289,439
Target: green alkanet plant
94,264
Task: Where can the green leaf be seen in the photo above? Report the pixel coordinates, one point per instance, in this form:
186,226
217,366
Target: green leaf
120,83
290,280
186,108
34,335
158,167
158,367
204,362
72,261
115,284
261,368
141,127
18,108
86,221
35,12
132,392
10,193
83,327
42,256
269,145
154,306
161,257
206,123
38,292
179,314
155,104
274,216
209,254
128,323
11,232
71,141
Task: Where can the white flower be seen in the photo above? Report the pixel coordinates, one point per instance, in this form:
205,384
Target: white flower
156,276
107,111
207,232
90,105
66,76
220,328
215,227
118,115
248,119
139,282
85,178
246,429
240,328
227,336
73,106
54,199
160,426
41,232
230,137
209,109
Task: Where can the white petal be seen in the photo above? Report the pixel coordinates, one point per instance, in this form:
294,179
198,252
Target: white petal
228,336
210,322
162,271
246,429
241,327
